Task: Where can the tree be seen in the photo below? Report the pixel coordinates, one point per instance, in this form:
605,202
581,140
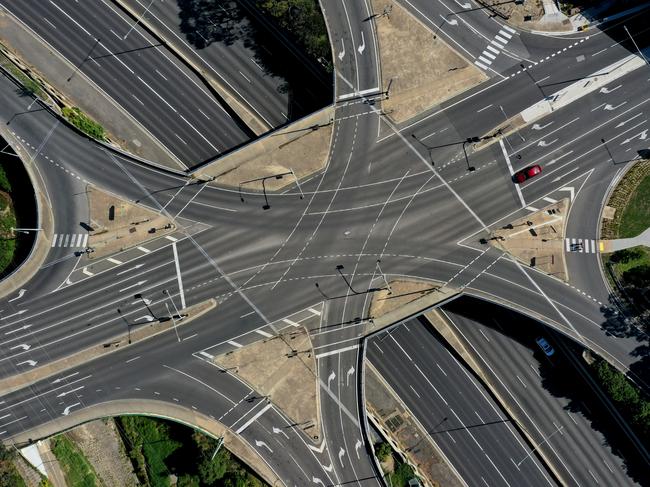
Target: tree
383,451
638,276
626,255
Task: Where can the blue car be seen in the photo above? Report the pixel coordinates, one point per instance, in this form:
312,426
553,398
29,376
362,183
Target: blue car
545,346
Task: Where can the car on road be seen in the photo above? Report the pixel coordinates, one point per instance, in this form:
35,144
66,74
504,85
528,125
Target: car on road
545,346
527,173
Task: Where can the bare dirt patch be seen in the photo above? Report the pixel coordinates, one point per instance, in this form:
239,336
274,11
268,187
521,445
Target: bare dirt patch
422,70
302,147
283,368
117,224
100,443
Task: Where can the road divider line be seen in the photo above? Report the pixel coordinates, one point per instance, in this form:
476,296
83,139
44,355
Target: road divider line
337,351
512,173
178,276
241,429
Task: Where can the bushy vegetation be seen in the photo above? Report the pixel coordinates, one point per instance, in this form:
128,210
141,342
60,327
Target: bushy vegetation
30,86
159,448
304,20
7,222
84,123
628,399
9,476
76,468
383,451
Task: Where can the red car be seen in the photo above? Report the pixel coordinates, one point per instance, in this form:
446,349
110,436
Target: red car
527,173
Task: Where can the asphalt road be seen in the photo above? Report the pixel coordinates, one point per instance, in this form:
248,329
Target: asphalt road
140,75
378,198
520,373
455,409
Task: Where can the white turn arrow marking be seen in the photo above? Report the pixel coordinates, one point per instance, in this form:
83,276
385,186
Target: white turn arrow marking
316,480
543,143
70,392
128,270
24,346
278,431
28,362
540,127
147,318
628,120
341,454
331,377
553,161
570,189
363,44
464,5
342,53
641,135
261,443
347,377
14,314
18,329
357,445
607,90
20,295
139,283
66,411
56,381
328,469
450,22
610,107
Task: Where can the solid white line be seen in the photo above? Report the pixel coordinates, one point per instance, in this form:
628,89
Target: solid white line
335,352
178,276
505,154
250,421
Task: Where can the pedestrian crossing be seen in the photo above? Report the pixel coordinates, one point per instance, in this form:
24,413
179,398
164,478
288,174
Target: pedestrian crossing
493,49
70,240
583,246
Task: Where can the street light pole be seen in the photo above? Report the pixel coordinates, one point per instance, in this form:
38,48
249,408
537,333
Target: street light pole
128,326
635,45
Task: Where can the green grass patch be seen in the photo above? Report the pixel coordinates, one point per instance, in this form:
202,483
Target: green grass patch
7,238
84,123
9,475
635,217
30,86
76,468
158,448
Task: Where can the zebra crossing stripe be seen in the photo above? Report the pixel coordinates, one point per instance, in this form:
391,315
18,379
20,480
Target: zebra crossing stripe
509,29
485,60
505,34
495,51
495,43
482,66
85,240
54,240
490,55
501,40
67,239
567,245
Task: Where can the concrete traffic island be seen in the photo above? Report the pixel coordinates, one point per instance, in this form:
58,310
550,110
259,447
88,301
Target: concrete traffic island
537,240
293,152
116,224
409,71
282,368
131,335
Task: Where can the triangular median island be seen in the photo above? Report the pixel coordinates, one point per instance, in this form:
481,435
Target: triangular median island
283,368
537,240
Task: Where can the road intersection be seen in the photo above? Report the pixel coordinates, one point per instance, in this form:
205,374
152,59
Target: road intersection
413,206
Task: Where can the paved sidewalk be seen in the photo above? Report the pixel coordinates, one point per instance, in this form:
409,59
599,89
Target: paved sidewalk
625,243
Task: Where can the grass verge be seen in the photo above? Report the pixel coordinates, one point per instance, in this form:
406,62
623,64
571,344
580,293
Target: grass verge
76,468
7,222
84,123
29,85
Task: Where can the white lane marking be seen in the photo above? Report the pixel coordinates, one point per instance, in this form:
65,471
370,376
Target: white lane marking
313,311
482,66
241,429
87,272
161,75
484,335
178,276
170,238
289,322
245,77
206,355
235,344
145,250
263,333
114,261
336,352
484,60
490,48
132,359
495,43
416,392
484,108
550,200
501,40
505,34
509,29
505,154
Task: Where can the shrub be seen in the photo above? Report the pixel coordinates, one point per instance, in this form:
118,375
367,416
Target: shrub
383,451
84,123
626,255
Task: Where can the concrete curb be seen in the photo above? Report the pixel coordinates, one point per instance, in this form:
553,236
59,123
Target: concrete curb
226,94
159,409
41,247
